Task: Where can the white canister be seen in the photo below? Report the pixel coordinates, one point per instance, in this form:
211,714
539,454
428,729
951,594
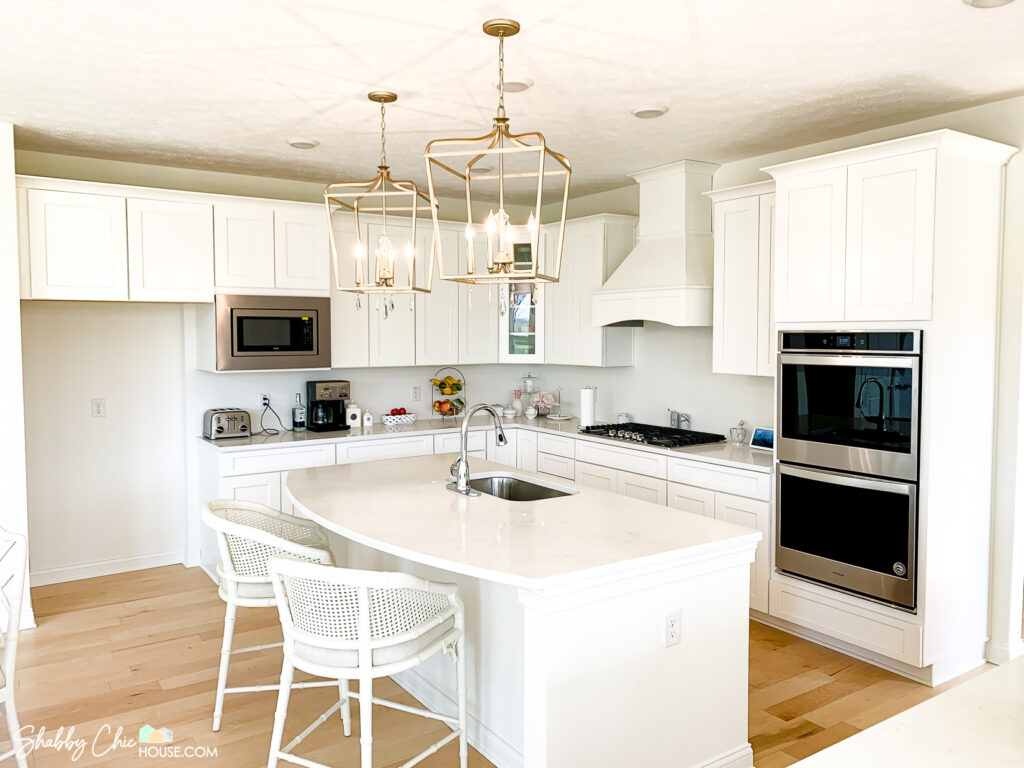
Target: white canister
367,419
624,418
353,415
588,406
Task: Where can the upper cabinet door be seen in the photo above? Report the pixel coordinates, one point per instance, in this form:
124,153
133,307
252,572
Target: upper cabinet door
478,315
437,312
350,331
77,246
890,237
562,309
810,246
170,251
301,248
392,330
767,342
243,245
735,325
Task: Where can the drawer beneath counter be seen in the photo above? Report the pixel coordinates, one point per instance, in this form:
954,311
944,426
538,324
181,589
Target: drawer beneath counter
739,482
385,448
639,462
258,460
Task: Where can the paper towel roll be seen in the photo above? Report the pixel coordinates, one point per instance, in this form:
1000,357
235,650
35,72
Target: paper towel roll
588,402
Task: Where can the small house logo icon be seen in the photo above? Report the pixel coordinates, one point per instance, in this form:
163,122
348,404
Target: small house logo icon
150,735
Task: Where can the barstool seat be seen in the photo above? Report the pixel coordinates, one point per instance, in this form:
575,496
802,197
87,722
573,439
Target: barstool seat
248,534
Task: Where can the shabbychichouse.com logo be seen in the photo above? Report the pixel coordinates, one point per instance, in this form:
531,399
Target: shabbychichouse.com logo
158,742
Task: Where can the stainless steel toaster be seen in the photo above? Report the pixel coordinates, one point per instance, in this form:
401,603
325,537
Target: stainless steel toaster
226,422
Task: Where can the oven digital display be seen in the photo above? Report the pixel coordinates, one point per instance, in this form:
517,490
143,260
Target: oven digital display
842,341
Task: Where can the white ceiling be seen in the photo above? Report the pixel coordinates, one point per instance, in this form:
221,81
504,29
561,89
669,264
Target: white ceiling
222,84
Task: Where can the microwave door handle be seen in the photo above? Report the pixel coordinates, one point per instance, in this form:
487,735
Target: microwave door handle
854,481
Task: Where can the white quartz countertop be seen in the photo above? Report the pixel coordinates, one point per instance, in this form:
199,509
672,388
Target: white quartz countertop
725,454
402,507
978,723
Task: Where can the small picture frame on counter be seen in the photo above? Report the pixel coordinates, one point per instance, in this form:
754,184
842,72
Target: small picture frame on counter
763,438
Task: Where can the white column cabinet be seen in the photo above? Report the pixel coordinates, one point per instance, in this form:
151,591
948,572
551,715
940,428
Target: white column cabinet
689,498
810,246
751,513
244,244
890,232
350,330
170,250
77,246
437,312
301,248
767,341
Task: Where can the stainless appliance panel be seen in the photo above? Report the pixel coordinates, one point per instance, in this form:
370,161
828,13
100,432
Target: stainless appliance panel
859,539
228,307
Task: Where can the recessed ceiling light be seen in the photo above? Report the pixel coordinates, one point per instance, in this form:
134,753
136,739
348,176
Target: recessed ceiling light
516,84
304,143
650,111
987,3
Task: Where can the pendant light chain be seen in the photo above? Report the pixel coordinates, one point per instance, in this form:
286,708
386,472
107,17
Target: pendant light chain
501,75
383,138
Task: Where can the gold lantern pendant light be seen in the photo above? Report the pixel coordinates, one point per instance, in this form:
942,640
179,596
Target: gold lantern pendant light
504,251
390,201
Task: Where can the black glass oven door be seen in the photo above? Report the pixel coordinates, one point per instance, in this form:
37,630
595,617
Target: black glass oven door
850,412
856,533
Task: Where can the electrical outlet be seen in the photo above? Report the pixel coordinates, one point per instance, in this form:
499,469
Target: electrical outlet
673,627
264,399
415,393
99,407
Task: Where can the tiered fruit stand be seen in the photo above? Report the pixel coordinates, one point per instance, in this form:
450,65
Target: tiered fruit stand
449,392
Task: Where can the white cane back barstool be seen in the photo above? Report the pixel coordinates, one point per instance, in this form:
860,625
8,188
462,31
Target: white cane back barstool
13,555
248,534
346,624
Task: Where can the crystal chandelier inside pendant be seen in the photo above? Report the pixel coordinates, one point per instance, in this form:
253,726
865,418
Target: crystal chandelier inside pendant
514,176
390,208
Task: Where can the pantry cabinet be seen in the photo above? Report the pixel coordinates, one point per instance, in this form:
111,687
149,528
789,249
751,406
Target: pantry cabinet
170,250
594,246
77,246
743,327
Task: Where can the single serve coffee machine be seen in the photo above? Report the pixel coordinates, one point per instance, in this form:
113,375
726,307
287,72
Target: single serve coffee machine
325,410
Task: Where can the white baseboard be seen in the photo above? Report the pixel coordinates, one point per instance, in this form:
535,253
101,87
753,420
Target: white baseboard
741,757
482,739
192,559
103,568
1004,653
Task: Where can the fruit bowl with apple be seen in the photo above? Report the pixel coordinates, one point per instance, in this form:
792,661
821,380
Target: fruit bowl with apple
398,417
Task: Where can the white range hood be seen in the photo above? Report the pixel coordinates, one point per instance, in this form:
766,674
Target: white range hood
667,277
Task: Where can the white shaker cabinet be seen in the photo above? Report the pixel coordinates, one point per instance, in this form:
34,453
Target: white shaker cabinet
640,487
526,450
890,231
752,514
301,247
350,313
392,318
437,312
170,250
77,246
595,476
264,488
478,315
503,454
742,326
688,498
810,246
594,247
244,244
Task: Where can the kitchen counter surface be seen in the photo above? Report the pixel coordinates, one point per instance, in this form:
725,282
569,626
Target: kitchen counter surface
725,454
403,508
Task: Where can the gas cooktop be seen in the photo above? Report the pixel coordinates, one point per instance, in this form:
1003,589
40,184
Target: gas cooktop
647,434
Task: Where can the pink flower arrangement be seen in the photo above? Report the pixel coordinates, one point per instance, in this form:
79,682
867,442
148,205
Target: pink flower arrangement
542,399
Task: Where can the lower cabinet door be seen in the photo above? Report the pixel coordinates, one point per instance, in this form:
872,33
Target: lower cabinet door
594,476
699,501
640,487
752,514
526,450
264,488
559,466
503,454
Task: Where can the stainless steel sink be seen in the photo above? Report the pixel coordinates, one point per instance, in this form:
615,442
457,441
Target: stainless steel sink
515,488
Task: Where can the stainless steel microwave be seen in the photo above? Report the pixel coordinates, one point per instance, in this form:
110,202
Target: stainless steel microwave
256,333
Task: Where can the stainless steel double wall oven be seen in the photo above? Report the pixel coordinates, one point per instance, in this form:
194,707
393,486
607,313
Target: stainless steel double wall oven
846,486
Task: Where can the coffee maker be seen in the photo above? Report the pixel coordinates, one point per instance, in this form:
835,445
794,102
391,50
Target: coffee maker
326,405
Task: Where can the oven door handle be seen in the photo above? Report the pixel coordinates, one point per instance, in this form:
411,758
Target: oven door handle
851,361
852,481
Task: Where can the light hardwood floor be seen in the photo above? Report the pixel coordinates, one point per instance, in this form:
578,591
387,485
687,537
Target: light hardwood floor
143,648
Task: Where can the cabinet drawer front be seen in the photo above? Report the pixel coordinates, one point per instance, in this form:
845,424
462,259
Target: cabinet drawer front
754,485
556,465
276,459
889,636
453,443
697,501
641,487
622,458
556,445
594,476
390,448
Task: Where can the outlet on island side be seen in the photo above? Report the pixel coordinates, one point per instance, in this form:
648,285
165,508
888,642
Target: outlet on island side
673,627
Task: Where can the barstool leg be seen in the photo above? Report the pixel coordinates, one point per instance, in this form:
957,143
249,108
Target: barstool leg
366,722
287,673
225,660
460,684
346,707
13,728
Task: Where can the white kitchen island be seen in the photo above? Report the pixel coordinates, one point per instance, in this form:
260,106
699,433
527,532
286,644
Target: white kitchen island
567,602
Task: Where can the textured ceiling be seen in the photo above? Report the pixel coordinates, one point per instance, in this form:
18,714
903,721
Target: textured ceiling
222,84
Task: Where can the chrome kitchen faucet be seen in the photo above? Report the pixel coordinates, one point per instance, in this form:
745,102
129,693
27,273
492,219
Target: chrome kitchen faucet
460,467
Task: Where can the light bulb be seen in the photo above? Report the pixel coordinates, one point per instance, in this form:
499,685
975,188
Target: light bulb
491,225
469,233
360,250
532,224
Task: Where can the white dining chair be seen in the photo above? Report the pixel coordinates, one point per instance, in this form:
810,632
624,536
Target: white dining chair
13,557
248,534
347,624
